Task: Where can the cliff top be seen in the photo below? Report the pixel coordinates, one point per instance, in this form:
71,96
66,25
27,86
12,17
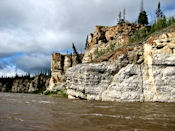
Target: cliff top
112,52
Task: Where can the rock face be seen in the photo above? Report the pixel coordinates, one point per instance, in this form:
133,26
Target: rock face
104,36
127,85
24,85
89,81
147,74
59,64
159,70
39,83
21,85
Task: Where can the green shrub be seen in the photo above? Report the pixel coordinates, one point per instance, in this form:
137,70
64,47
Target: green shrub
139,35
160,24
171,21
61,93
102,52
145,32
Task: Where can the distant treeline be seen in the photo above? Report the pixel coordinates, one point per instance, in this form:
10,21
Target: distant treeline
27,75
22,83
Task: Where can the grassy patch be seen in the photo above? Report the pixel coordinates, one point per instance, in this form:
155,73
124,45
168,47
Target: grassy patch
158,26
101,52
139,35
40,91
59,93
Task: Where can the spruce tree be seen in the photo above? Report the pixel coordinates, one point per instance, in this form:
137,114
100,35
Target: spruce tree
38,82
143,18
74,49
124,14
159,13
76,53
86,45
141,6
119,17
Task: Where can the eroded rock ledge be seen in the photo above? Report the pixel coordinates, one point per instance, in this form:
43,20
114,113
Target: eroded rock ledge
127,80
59,65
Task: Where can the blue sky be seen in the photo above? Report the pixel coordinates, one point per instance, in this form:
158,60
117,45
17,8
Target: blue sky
30,30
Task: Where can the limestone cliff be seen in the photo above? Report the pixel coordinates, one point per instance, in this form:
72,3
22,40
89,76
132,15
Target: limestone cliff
159,69
38,83
59,65
145,73
109,81
102,38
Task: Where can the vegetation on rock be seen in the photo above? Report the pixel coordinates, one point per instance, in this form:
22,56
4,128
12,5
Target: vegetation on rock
61,93
101,52
147,31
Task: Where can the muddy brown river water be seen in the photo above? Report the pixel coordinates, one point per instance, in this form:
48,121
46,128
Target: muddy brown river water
28,112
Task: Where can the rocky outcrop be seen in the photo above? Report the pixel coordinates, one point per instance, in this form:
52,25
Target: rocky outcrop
59,65
116,81
89,81
104,36
24,84
39,83
146,73
159,70
21,85
127,85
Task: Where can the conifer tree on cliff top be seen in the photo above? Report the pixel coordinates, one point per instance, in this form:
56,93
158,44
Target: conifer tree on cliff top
76,53
124,14
86,44
121,19
143,18
159,13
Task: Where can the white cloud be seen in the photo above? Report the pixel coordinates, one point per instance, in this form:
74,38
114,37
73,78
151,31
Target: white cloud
46,25
11,71
38,27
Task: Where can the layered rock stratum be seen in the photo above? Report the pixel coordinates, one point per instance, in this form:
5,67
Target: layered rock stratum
113,69
144,72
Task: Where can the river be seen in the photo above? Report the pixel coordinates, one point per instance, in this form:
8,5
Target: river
21,112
